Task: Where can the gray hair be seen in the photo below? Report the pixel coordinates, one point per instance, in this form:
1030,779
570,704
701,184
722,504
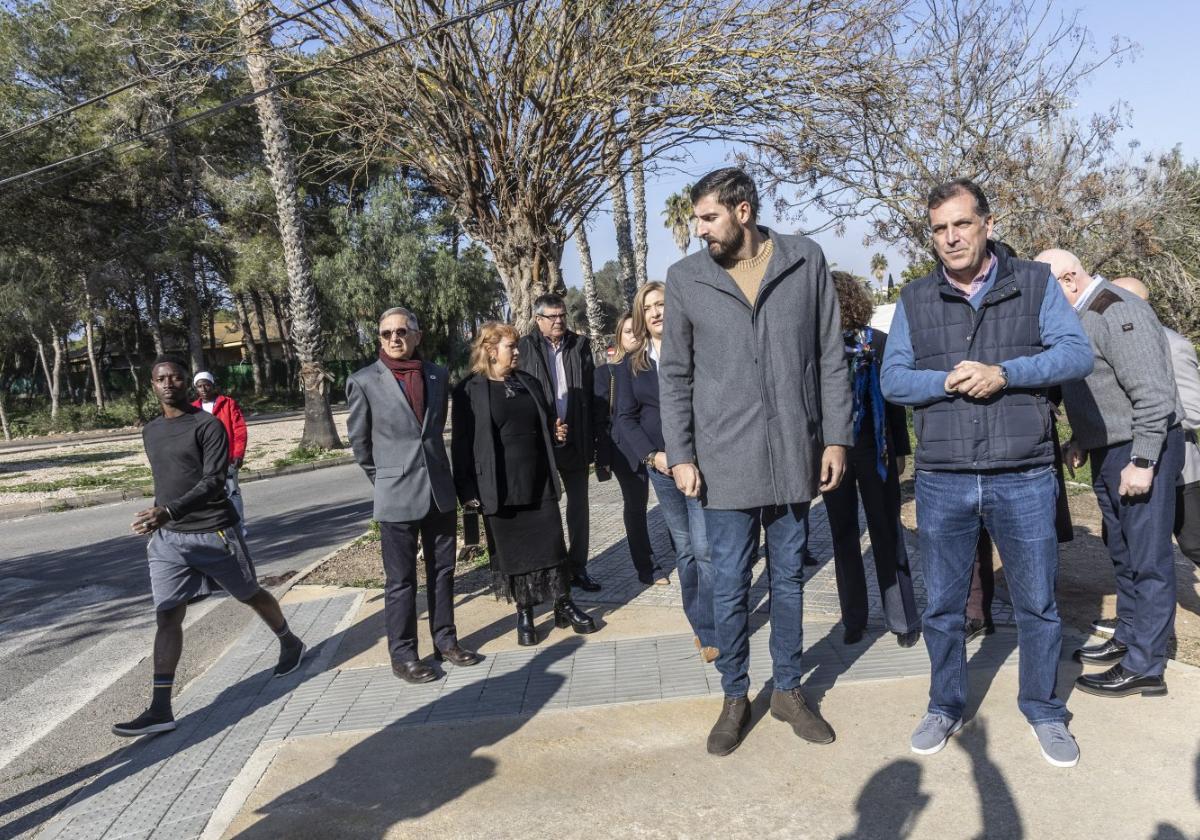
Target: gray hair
413,324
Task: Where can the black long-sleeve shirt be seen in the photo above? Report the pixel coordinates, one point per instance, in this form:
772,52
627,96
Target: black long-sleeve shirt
189,458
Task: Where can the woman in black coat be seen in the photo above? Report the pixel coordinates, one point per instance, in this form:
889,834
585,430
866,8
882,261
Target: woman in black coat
612,457
873,468
502,445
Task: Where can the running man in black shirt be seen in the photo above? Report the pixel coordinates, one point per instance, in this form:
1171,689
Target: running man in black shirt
195,540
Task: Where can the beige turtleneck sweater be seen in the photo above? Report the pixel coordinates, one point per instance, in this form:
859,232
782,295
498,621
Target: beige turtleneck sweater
748,274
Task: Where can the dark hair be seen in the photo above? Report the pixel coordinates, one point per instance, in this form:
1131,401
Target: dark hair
731,185
541,302
942,193
854,300
169,360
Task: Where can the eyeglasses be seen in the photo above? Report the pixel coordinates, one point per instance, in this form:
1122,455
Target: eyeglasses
561,316
399,332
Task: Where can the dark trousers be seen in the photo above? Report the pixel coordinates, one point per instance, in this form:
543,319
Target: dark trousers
1187,520
437,534
575,486
1137,532
635,496
881,502
983,581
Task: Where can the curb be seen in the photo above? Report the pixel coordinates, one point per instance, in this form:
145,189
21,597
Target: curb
26,509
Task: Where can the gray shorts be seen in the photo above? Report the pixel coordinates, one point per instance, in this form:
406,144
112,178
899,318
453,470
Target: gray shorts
185,567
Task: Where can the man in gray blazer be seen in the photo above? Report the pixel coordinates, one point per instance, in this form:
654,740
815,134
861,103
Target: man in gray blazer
1187,493
397,419
755,406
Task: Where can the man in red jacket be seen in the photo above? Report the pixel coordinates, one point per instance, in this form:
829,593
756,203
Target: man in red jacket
229,413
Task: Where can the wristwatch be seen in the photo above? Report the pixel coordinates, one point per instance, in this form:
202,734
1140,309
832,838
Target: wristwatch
1004,377
1143,463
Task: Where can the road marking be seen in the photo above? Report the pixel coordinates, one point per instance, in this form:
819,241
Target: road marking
34,711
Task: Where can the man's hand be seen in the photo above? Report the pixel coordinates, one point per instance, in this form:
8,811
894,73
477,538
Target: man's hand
560,431
1136,481
833,467
1074,456
150,520
660,463
687,479
975,379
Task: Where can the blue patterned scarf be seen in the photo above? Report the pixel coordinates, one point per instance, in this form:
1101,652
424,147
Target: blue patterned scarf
864,379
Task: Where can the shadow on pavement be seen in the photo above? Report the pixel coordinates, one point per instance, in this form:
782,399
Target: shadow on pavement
890,803
387,778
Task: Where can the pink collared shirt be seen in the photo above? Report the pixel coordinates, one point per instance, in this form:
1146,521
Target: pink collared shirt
971,289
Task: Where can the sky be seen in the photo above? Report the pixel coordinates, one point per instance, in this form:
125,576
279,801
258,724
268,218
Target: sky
1158,84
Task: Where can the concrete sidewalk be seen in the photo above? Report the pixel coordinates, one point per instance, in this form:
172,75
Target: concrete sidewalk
603,736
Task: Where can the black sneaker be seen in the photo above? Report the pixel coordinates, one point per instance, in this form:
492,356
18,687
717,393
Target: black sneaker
147,723
976,627
289,659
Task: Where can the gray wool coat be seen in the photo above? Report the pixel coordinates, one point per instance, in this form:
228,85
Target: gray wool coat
405,460
752,395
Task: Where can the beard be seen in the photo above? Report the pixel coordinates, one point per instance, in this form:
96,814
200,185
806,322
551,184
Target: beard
720,249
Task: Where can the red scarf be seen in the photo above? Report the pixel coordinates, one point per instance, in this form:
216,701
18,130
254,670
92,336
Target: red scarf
408,374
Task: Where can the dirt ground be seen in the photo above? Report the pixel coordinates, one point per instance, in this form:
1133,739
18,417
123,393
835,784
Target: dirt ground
361,565
1086,587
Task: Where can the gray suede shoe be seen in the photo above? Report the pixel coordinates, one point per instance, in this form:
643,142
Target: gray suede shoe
932,733
1057,743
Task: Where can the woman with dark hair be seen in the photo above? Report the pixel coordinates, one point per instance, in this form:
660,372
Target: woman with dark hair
873,468
630,472
502,443
639,430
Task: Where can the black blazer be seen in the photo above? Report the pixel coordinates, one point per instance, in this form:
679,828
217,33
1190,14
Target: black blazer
580,448
603,420
638,421
895,416
473,440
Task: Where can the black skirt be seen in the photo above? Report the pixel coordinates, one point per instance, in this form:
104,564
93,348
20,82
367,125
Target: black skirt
528,552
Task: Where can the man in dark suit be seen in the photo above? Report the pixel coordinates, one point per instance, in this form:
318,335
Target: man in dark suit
397,419
562,363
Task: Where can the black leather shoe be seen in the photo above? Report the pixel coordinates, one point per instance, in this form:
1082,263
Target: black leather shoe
1104,653
978,627
730,727
526,632
457,655
809,560
414,671
1118,682
567,614
585,582
852,636
907,640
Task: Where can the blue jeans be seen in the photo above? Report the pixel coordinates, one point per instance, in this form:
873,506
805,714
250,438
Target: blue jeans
685,521
732,537
1017,507
1137,532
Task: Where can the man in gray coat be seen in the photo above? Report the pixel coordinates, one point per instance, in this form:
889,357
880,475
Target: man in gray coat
1187,493
1125,419
397,419
755,408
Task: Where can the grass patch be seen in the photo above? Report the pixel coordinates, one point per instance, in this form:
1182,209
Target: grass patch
306,455
127,478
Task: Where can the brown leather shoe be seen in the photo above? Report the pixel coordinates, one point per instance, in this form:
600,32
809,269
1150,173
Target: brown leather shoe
791,707
458,655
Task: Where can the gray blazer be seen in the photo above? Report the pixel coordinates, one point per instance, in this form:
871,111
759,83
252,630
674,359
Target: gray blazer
752,395
1187,380
406,461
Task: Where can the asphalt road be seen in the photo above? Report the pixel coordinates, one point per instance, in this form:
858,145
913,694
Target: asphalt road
76,625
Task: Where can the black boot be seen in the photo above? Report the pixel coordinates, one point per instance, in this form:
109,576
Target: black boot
566,613
526,632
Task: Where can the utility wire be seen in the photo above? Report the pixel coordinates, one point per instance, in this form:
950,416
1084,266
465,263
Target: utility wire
245,99
100,97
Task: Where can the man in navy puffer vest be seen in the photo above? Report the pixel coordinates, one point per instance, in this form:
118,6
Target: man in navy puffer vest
974,346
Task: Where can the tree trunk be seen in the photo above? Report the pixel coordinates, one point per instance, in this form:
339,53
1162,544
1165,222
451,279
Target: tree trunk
264,340
89,333
595,314
154,314
4,400
41,354
248,343
620,212
319,430
641,248
55,377
284,325
193,314
524,265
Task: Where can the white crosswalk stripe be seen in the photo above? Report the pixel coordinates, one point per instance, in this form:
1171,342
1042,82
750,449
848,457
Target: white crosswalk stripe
18,633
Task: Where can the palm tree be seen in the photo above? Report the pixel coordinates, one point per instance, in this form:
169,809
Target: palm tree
678,215
595,314
878,266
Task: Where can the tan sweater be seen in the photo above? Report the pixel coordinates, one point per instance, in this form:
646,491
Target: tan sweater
748,274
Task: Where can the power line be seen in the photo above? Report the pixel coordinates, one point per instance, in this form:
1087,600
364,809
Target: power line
253,95
100,97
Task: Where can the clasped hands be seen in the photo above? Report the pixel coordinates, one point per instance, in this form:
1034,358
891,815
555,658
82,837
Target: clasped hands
974,379
833,469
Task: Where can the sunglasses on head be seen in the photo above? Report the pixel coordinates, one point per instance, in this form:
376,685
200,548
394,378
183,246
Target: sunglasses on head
399,332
